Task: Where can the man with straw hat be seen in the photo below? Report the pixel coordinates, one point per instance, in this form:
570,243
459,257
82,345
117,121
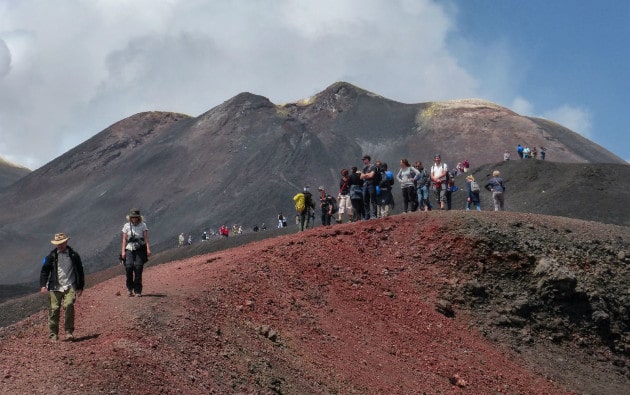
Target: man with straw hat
62,279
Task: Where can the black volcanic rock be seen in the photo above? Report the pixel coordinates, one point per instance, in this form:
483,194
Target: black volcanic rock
242,161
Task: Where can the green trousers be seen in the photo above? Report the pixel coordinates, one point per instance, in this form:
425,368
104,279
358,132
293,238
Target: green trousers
59,299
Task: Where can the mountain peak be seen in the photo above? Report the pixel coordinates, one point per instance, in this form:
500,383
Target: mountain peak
338,91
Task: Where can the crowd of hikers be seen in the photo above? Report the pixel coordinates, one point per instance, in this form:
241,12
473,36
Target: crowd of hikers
367,193
525,152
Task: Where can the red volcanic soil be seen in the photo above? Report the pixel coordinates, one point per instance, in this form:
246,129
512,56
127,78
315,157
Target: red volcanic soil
365,308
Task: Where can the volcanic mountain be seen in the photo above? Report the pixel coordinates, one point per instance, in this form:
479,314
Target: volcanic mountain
242,161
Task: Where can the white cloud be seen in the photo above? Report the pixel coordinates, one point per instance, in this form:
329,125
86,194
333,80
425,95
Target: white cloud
574,118
522,106
78,66
5,59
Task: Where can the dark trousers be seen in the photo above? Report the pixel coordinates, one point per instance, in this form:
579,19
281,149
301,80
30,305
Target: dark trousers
133,270
326,218
357,209
303,218
369,201
410,198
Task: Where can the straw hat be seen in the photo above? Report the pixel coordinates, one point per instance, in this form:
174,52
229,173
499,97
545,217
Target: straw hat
134,213
60,238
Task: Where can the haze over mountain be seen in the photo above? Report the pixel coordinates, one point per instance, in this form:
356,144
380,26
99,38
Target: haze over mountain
9,173
242,161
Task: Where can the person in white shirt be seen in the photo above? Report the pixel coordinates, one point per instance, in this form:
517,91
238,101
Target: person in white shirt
135,251
439,173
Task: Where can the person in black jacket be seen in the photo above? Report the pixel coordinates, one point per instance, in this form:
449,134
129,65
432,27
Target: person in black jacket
62,279
327,205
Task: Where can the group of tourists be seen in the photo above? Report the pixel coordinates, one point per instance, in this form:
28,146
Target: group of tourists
525,152
367,193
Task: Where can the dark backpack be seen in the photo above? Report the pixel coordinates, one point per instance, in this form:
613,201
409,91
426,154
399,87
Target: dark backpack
308,200
377,176
333,204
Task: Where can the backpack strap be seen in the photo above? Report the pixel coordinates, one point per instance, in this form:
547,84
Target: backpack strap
344,185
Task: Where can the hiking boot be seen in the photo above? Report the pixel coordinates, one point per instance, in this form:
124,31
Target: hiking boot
69,337
138,295
53,338
129,293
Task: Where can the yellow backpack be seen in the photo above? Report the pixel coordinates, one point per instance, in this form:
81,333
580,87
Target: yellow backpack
300,202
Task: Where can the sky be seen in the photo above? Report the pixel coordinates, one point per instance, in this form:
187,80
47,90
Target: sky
71,68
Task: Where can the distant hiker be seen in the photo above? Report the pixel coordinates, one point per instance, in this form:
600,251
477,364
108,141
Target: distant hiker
263,226
422,182
542,152
450,188
356,194
439,176
328,206
281,221
303,204
534,153
496,186
189,239
458,169
204,236
135,250
519,151
224,231
506,155
370,180
343,198
180,240
255,229
234,230
472,193
406,176
526,152
385,198
62,279
466,165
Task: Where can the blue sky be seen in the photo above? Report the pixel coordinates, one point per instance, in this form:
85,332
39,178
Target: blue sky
575,54
71,68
